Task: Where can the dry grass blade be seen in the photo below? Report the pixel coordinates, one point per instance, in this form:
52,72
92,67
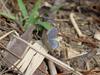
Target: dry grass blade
52,68
13,31
75,25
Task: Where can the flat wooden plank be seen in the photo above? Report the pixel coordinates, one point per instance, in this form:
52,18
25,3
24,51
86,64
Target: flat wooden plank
36,61
27,59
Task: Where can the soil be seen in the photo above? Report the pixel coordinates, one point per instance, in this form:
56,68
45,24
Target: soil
86,16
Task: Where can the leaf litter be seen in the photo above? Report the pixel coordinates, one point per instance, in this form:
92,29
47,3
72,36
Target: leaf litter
87,17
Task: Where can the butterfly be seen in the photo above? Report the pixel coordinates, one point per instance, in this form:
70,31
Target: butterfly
52,35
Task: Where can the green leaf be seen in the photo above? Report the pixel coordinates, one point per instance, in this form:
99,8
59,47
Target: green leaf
22,8
7,15
45,25
34,15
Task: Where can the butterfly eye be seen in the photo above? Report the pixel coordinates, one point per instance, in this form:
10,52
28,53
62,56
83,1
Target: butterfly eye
52,34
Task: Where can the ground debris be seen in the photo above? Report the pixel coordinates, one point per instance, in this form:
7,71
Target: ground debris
80,52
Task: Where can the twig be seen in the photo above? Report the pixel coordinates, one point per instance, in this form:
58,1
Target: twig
75,25
52,68
49,57
5,35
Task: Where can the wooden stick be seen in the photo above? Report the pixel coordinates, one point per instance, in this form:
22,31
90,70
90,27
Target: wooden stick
75,25
49,57
5,35
52,68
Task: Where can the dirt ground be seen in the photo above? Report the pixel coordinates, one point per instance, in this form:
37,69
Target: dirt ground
71,43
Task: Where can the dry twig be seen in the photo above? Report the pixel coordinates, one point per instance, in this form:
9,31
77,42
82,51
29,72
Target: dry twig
52,68
75,25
